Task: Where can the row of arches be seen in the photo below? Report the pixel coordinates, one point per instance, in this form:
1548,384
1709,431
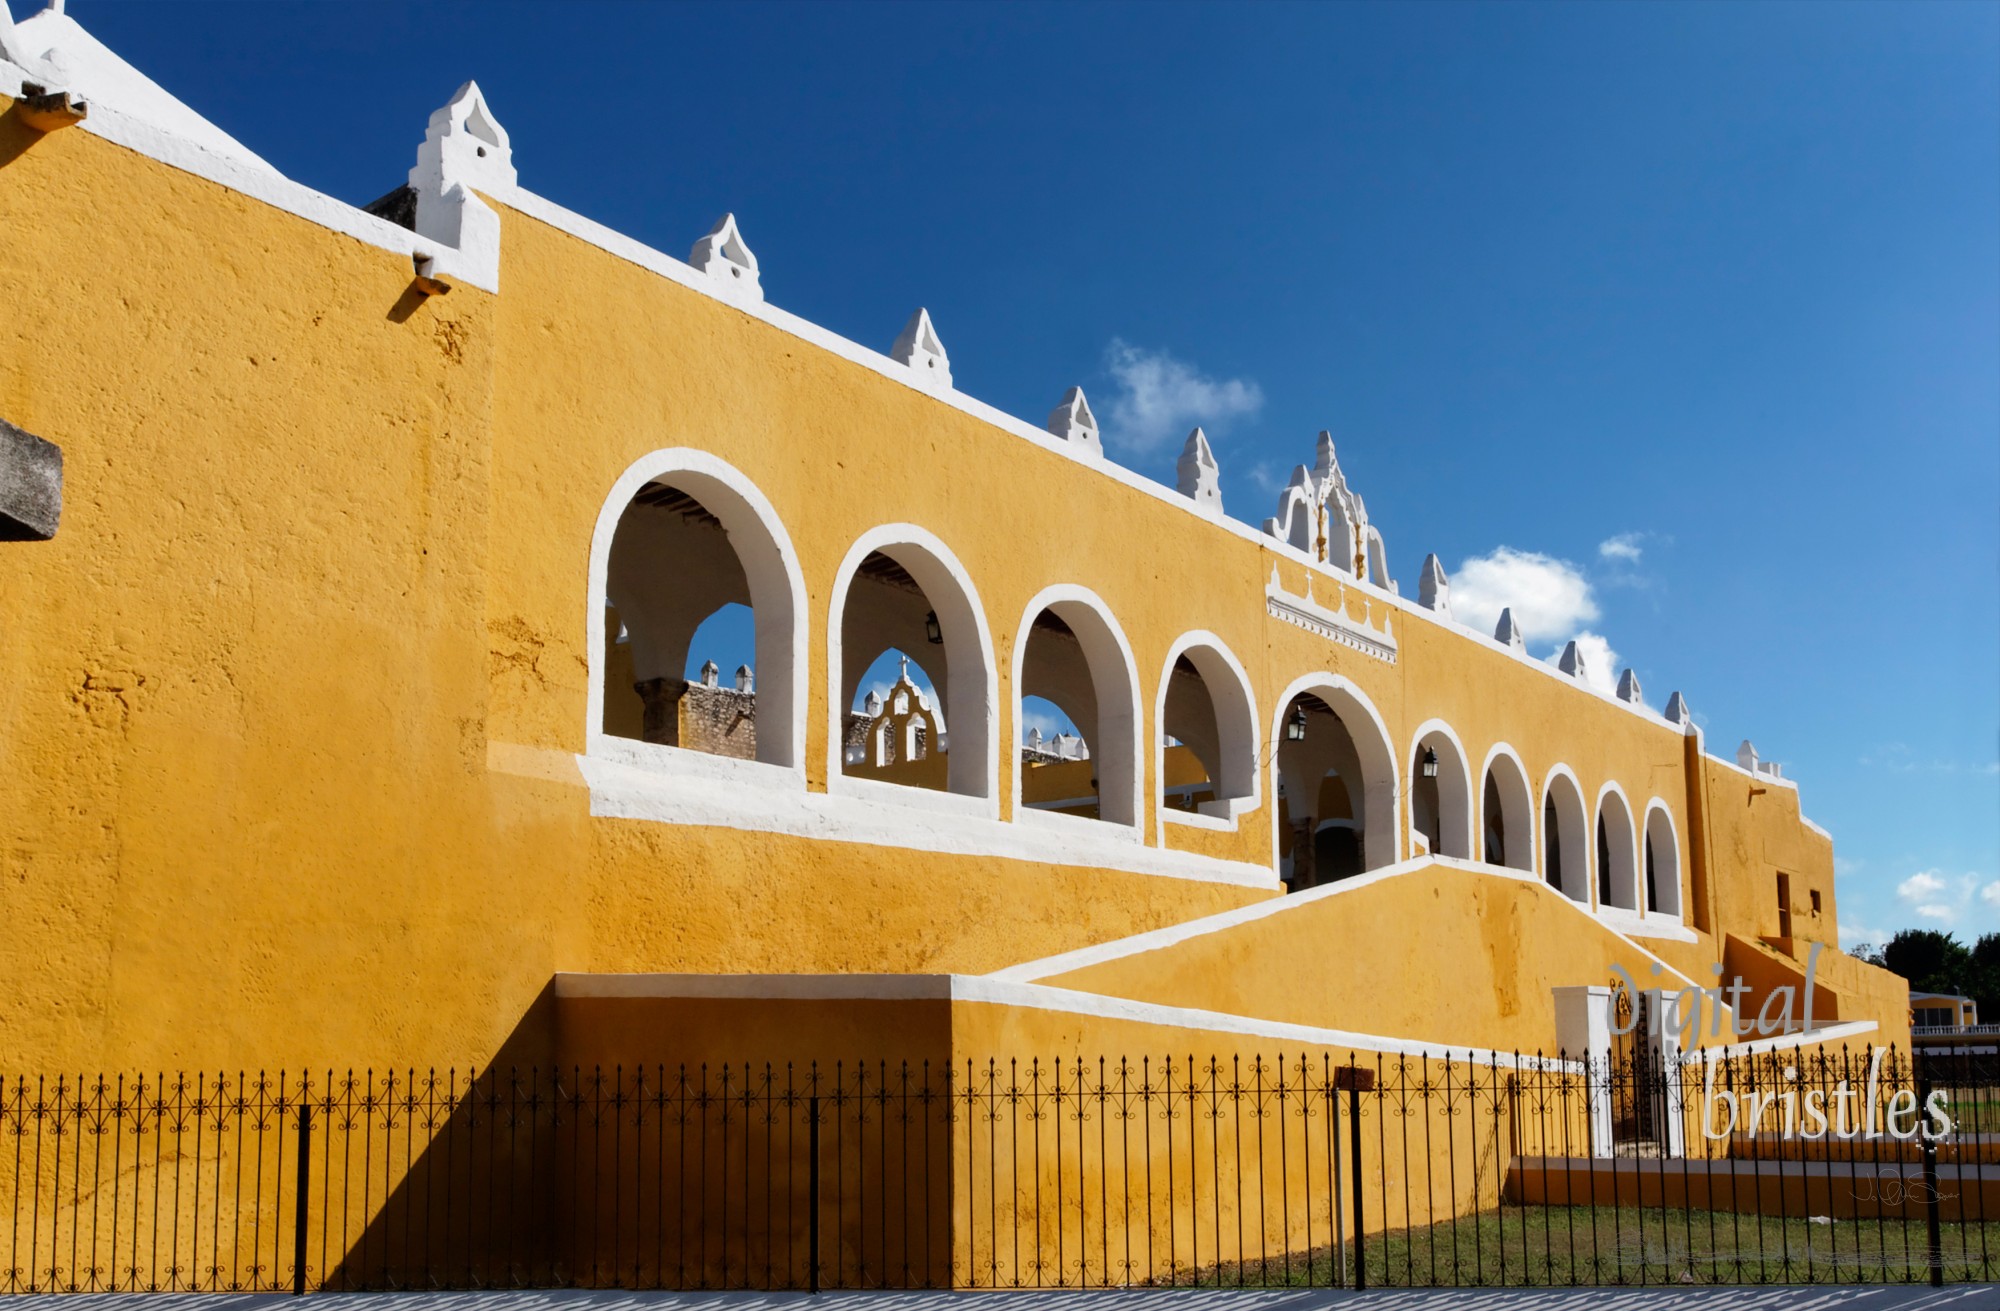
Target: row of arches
684,537
1591,853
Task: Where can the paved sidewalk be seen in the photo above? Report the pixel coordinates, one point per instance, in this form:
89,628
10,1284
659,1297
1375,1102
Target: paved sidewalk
1964,1297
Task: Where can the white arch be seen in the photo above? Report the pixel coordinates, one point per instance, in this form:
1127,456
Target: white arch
1518,813
770,567
1455,803
1382,796
1114,675
1573,830
1294,523
972,714
1239,787
1664,834
1622,843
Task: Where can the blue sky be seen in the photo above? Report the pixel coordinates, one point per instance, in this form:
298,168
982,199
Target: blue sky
1678,325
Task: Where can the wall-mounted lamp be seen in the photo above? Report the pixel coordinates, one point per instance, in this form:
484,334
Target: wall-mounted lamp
932,629
1295,727
1430,762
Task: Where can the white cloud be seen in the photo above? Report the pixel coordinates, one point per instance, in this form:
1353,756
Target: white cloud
1937,911
1990,894
1625,547
1268,476
1159,399
1921,886
1551,598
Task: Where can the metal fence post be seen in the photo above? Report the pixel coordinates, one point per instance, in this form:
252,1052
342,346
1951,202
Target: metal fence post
812,1194
299,1202
1934,1241
1356,1080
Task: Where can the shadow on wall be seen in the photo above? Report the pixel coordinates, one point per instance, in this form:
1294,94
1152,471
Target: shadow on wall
429,1143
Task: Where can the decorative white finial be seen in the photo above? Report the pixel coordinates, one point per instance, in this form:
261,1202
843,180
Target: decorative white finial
1677,710
1746,756
724,256
1200,477
1073,422
917,345
1571,661
464,143
711,673
1507,632
746,681
1433,588
464,150
1628,688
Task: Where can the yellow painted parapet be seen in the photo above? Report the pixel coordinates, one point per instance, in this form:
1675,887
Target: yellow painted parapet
336,720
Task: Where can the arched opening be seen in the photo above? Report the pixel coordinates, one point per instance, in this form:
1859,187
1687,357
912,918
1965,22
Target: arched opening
1565,844
900,591
697,638
1663,862
1208,732
1071,656
1506,815
895,730
1617,880
1334,763
1441,792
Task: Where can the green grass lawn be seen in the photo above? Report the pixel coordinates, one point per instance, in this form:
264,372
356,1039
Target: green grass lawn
1627,1245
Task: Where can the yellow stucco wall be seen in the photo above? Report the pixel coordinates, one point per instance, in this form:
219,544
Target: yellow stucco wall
288,708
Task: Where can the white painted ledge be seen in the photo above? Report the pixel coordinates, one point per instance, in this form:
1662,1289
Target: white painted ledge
1781,1042
1198,819
1157,939
1079,827
879,792
688,765
1659,926
741,795
988,990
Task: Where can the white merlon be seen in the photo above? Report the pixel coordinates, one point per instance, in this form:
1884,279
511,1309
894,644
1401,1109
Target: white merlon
745,680
1746,756
1571,661
917,345
1628,688
1433,588
711,673
1507,632
726,257
1073,422
1677,710
464,150
1199,477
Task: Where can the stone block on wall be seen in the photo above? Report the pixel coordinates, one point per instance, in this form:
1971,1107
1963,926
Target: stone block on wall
30,486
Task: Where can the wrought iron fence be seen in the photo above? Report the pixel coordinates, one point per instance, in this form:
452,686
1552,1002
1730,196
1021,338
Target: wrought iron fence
1239,1170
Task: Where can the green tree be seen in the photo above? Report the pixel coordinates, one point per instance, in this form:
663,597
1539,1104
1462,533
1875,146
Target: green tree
1983,985
1932,960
